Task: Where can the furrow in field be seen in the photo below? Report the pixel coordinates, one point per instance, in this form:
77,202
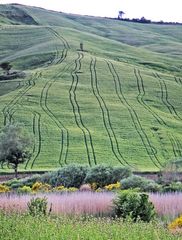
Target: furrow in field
178,80
176,146
37,132
140,97
36,128
66,46
8,109
77,113
64,134
106,115
63,130
164,96
151,151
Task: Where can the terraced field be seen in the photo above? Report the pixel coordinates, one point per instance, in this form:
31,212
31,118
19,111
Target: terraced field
117,102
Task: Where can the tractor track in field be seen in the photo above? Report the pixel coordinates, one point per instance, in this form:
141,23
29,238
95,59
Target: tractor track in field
44,102
37,142
56,34
37,122
164,151
44,105
178,80
164,97
77,112
65,46
140,97
106,115
5,110
176,146
8,109
31,83
151,151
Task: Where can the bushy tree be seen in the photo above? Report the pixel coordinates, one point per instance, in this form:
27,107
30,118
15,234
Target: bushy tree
6,66
14,146
142,183
104,175
133,204
68,176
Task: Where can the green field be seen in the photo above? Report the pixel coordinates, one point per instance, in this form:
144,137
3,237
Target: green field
24,226
117,102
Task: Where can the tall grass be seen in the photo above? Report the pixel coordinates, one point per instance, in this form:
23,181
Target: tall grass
167,205
67,203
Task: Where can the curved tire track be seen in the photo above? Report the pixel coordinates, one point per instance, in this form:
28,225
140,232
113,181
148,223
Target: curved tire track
164,97
77,113
106,115
64,139
151,151
140,97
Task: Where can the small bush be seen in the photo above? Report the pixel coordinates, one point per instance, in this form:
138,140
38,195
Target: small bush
134,205
173,187
37,206
46,177
29,181
24,189
120,173
58,189
102,175
38,186
14,183
176,224
69,176
4,188
85,188
141,183
113,186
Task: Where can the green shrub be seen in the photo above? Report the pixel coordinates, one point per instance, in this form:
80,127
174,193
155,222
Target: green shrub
134,205
119,173
29,181
14,183
37,206
24,189
141,183
46,177
173,187
69,176
102,175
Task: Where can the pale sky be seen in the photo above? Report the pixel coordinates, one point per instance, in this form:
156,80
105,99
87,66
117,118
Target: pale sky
167,10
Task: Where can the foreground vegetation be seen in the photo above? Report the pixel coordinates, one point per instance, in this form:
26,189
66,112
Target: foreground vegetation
22,226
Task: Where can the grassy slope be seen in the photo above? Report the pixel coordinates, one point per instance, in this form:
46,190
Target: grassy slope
117,102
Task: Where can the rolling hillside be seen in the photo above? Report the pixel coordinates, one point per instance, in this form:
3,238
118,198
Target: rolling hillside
117,102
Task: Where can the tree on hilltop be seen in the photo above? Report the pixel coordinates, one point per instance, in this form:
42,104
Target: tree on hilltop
120,15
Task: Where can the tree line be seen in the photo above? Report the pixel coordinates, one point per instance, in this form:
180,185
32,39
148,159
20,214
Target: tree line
143,20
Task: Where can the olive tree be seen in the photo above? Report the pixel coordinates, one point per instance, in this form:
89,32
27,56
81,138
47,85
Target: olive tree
15,145
6,66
